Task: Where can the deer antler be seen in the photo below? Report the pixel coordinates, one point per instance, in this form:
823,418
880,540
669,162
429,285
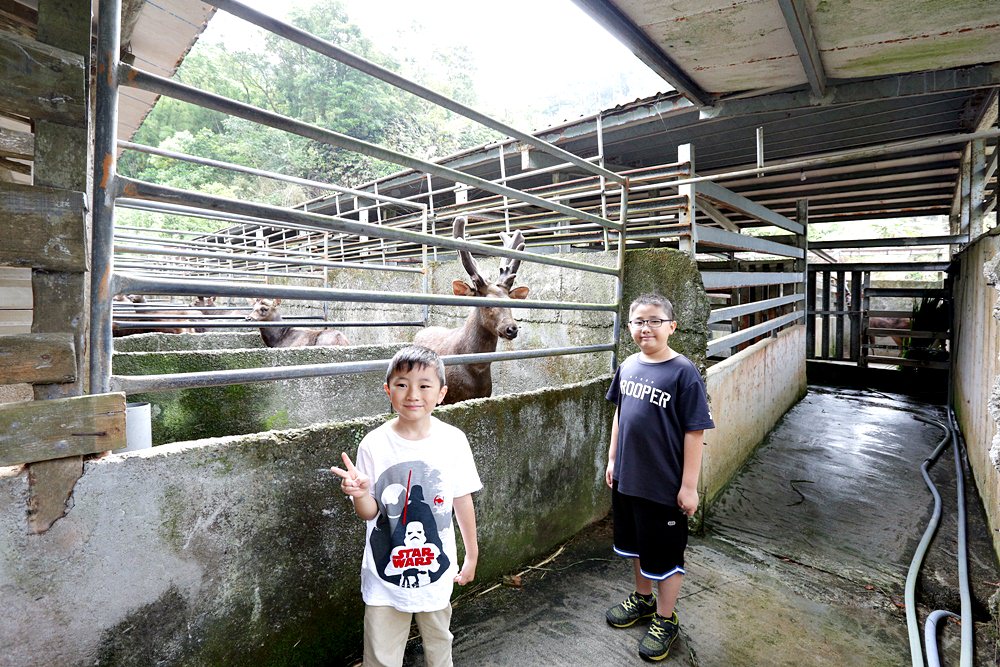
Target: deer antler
458,231
509,267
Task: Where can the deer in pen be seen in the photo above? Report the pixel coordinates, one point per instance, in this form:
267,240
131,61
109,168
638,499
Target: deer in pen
266,310
483,327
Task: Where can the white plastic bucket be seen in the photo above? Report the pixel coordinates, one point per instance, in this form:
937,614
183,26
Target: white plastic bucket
138,427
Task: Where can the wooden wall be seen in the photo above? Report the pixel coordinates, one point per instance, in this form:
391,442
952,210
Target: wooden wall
44,224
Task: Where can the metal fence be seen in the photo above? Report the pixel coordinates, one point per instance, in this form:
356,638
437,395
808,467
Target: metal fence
238,262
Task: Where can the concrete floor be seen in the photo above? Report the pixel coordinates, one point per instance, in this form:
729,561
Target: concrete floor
803,560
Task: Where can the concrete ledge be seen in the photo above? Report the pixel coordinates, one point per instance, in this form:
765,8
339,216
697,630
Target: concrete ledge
242,550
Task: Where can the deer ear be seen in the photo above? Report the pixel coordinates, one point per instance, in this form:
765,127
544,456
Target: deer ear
461,289
276,302
519,293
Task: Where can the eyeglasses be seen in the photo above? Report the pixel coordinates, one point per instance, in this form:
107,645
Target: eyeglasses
652,324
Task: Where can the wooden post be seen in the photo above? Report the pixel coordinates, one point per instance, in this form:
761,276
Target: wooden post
61,297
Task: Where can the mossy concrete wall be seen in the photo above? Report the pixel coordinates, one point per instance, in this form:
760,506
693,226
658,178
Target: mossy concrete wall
674,275
976,368
750,392
243,551
191,414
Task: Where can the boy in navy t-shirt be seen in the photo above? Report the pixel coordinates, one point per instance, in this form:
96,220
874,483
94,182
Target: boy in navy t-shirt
653,464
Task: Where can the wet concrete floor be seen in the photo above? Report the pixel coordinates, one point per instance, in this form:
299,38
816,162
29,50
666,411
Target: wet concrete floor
802,560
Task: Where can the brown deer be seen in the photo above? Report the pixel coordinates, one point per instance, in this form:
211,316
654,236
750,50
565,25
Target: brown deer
889,323
484,325
266,310
153,316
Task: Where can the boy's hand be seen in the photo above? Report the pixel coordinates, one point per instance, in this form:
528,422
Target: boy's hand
687,500
353,483
609,474
467,574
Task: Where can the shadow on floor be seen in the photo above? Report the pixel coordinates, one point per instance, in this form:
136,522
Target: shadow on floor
803,559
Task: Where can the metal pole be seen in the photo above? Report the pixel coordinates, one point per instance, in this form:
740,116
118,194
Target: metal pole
136,285
105,135
149,383
620,278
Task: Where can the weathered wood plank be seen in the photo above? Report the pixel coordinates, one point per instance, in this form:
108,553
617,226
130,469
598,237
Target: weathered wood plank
51,484
37,358
42,228
43,430
15,289
15,166
42,82
16,144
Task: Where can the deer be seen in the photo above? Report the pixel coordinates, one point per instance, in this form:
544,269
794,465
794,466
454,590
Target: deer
155,316
889,323
266,310
484,326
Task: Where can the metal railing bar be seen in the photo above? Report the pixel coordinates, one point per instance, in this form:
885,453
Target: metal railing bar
312,221
729,312
128,284
190,243
229,166
246,324
132,76
331,50
132,384
719,344
172,267
243,257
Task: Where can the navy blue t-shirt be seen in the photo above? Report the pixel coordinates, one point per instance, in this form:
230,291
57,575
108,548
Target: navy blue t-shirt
657,404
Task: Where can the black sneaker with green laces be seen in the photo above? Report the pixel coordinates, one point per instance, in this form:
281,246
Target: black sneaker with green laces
631,609
655,645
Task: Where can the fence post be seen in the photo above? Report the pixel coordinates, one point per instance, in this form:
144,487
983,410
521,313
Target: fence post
685,154
802,266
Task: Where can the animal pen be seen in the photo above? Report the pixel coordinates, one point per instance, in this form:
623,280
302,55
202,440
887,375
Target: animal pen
371,232
230,544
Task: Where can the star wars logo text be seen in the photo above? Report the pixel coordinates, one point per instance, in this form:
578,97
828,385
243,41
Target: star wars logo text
418,557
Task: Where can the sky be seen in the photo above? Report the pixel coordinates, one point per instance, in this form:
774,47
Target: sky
522,49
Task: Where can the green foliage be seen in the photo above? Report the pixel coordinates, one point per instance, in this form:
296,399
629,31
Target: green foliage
287,79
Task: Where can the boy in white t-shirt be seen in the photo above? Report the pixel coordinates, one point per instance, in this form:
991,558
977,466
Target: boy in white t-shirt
411,473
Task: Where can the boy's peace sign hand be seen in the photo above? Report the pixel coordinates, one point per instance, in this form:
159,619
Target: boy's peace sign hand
353,482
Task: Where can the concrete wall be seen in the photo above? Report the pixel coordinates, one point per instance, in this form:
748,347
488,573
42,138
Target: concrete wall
750,391
976,368
242,550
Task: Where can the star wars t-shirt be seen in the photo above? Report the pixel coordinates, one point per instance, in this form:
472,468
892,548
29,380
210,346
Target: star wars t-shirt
658,402
410,557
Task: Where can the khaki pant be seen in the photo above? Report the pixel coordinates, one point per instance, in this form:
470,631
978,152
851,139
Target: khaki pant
386,631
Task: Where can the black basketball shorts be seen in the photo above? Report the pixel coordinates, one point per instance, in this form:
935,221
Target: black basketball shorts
654,533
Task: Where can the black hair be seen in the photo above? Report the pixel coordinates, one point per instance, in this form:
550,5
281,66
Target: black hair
654,299
415,356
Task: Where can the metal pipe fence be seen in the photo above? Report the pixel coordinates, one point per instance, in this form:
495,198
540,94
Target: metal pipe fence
267,237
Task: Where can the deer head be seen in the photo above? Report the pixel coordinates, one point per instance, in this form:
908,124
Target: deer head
264,310
496,320
203,302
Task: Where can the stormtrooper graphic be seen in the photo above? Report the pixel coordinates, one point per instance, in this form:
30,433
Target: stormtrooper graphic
406,543
416,559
